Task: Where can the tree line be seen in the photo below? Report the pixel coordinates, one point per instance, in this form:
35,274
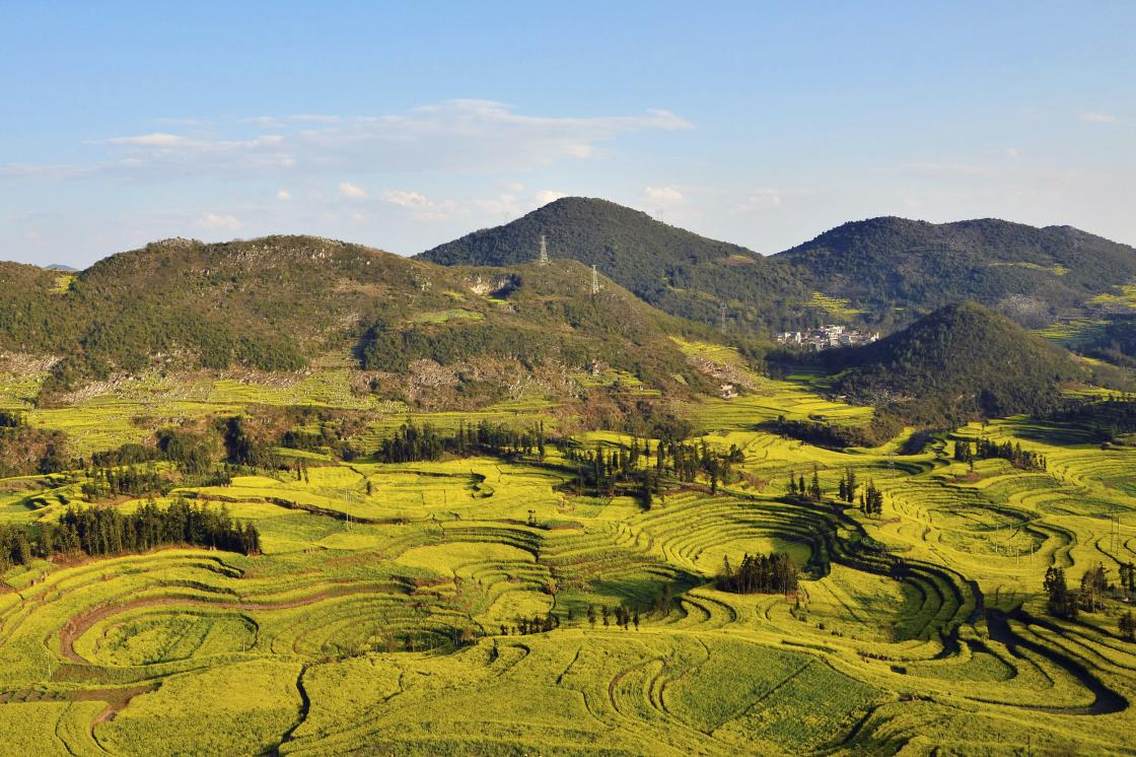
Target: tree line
640,470
986,449
880,429
101,531
411,443
871,499
774,573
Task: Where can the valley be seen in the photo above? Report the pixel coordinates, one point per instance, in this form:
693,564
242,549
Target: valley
384,589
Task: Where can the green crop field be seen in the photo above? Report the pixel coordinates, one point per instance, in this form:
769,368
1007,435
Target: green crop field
384,613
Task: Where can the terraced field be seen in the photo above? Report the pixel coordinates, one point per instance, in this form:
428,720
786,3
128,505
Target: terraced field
385,614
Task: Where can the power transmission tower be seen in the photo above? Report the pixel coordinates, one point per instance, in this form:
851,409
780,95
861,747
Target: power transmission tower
722,317
595,282
543,251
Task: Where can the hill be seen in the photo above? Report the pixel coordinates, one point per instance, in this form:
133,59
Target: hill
676,270
884,265
885,272
963,361
278,303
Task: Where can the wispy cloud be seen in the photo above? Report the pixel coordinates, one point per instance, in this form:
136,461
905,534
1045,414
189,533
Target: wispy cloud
421,207
1098,117
406,199
352,191
665,195
455,135
154,139
546,196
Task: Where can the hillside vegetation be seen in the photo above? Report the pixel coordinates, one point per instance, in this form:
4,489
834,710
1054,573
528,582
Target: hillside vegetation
961,362
1033,275
882,271
278,303
678,271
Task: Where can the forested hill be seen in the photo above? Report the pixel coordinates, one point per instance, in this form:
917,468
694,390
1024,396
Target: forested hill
676,270
1031,274
961,362
277,303
885,272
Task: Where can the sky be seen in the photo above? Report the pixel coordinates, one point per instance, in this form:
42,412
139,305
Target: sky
405,125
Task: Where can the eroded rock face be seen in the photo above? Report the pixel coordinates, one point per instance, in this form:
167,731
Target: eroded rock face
493,286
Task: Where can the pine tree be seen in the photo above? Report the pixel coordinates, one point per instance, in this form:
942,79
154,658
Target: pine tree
814,488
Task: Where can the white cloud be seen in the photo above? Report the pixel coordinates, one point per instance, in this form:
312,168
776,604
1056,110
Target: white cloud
1097,117
406,199
352,191
667,195
471,134
1013,153
283,194
219,222
546,196
155,139
422,207
454,135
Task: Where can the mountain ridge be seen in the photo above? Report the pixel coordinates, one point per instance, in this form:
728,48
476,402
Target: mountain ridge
858,272
277,303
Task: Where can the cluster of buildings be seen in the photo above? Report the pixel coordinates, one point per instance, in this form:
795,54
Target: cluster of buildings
826,337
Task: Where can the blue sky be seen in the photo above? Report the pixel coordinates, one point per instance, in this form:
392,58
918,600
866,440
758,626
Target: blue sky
405,125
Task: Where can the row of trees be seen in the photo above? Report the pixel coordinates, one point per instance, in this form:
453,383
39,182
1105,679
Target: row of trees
100,531
411,443
129,480
871,499
985,449
765,574
1095,587
622,616
605,470
880,429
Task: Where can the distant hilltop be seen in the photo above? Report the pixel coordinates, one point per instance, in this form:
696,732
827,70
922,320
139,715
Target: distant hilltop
882,273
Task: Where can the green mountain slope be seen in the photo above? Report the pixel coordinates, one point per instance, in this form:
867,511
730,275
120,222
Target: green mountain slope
962,361
884,271
1030,274
678,271
277,303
